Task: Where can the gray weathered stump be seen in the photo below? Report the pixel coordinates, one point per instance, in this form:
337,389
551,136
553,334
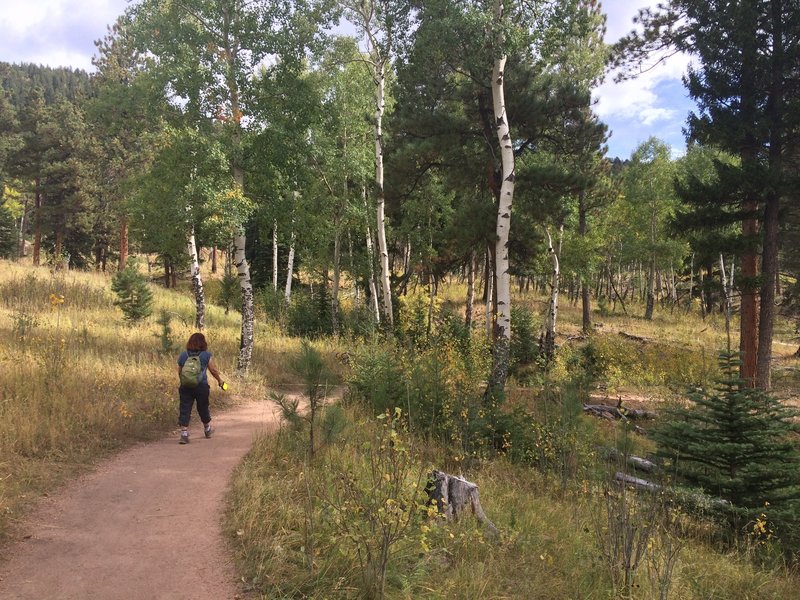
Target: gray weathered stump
454,495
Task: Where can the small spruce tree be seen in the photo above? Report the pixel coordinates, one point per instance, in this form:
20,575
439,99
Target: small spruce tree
133,294
736,443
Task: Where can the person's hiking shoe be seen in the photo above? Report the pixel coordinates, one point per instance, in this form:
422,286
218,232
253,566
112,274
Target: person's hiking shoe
208,431
185,437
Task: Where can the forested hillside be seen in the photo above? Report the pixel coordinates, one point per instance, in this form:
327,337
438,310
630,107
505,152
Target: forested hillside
430,200
18,81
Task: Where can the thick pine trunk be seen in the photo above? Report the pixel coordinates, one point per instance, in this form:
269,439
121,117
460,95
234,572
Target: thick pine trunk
502,328
748,337
769,257
197,284
769,262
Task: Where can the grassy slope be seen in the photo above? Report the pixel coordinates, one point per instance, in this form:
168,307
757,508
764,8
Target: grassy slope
77,383
289,545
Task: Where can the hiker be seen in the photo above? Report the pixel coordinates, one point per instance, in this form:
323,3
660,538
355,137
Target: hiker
193,363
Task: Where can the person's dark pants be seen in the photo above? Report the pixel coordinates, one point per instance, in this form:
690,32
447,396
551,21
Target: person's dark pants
188,397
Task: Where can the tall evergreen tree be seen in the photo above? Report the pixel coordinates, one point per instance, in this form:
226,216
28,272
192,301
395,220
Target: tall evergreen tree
746,87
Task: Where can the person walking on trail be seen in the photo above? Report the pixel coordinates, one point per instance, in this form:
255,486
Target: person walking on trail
193,365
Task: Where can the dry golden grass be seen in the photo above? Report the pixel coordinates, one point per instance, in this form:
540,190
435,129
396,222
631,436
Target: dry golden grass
77,382
548,549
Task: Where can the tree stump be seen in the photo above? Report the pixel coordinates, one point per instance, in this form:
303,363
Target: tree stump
454,495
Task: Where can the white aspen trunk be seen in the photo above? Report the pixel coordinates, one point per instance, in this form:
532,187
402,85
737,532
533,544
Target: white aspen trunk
502,328
548,345
373,288
651,285
470,291
287,293
431,302
248,313
489,295
275,255
691,281
21,232
727,299
356,289
197,284
732,271
380,107
240,239
337,256
673,285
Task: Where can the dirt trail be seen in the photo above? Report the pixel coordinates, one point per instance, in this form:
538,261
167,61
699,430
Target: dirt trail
145,525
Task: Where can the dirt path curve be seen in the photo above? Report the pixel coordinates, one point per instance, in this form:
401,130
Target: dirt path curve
145,525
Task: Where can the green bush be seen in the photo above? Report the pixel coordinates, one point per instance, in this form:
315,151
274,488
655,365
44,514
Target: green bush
739,444
309,313
133,294
524,344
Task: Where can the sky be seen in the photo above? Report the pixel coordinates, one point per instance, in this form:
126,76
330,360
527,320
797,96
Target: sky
62,33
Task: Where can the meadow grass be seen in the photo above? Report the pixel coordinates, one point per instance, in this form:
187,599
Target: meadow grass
281,520
77,382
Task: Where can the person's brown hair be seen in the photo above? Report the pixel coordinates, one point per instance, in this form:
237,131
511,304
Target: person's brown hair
197,342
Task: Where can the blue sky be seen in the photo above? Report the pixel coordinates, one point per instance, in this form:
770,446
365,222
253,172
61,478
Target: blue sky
62,33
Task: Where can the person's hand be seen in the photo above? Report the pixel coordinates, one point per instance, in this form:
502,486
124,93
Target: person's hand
223,385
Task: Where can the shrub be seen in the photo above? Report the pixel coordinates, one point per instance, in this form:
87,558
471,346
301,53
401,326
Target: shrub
310,313
376,504
736,443
524,345
133,294
229,294
8,233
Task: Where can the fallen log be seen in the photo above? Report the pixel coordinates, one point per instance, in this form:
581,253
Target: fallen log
635,338
681,496
636,482
454,495
637,462
617,412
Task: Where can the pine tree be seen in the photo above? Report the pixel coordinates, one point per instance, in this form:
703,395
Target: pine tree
133,294
735,442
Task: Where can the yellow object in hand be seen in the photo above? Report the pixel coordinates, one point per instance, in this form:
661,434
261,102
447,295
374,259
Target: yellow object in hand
224,385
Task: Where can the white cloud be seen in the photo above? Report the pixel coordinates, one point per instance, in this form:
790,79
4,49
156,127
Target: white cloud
55,32
640,107
649,116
